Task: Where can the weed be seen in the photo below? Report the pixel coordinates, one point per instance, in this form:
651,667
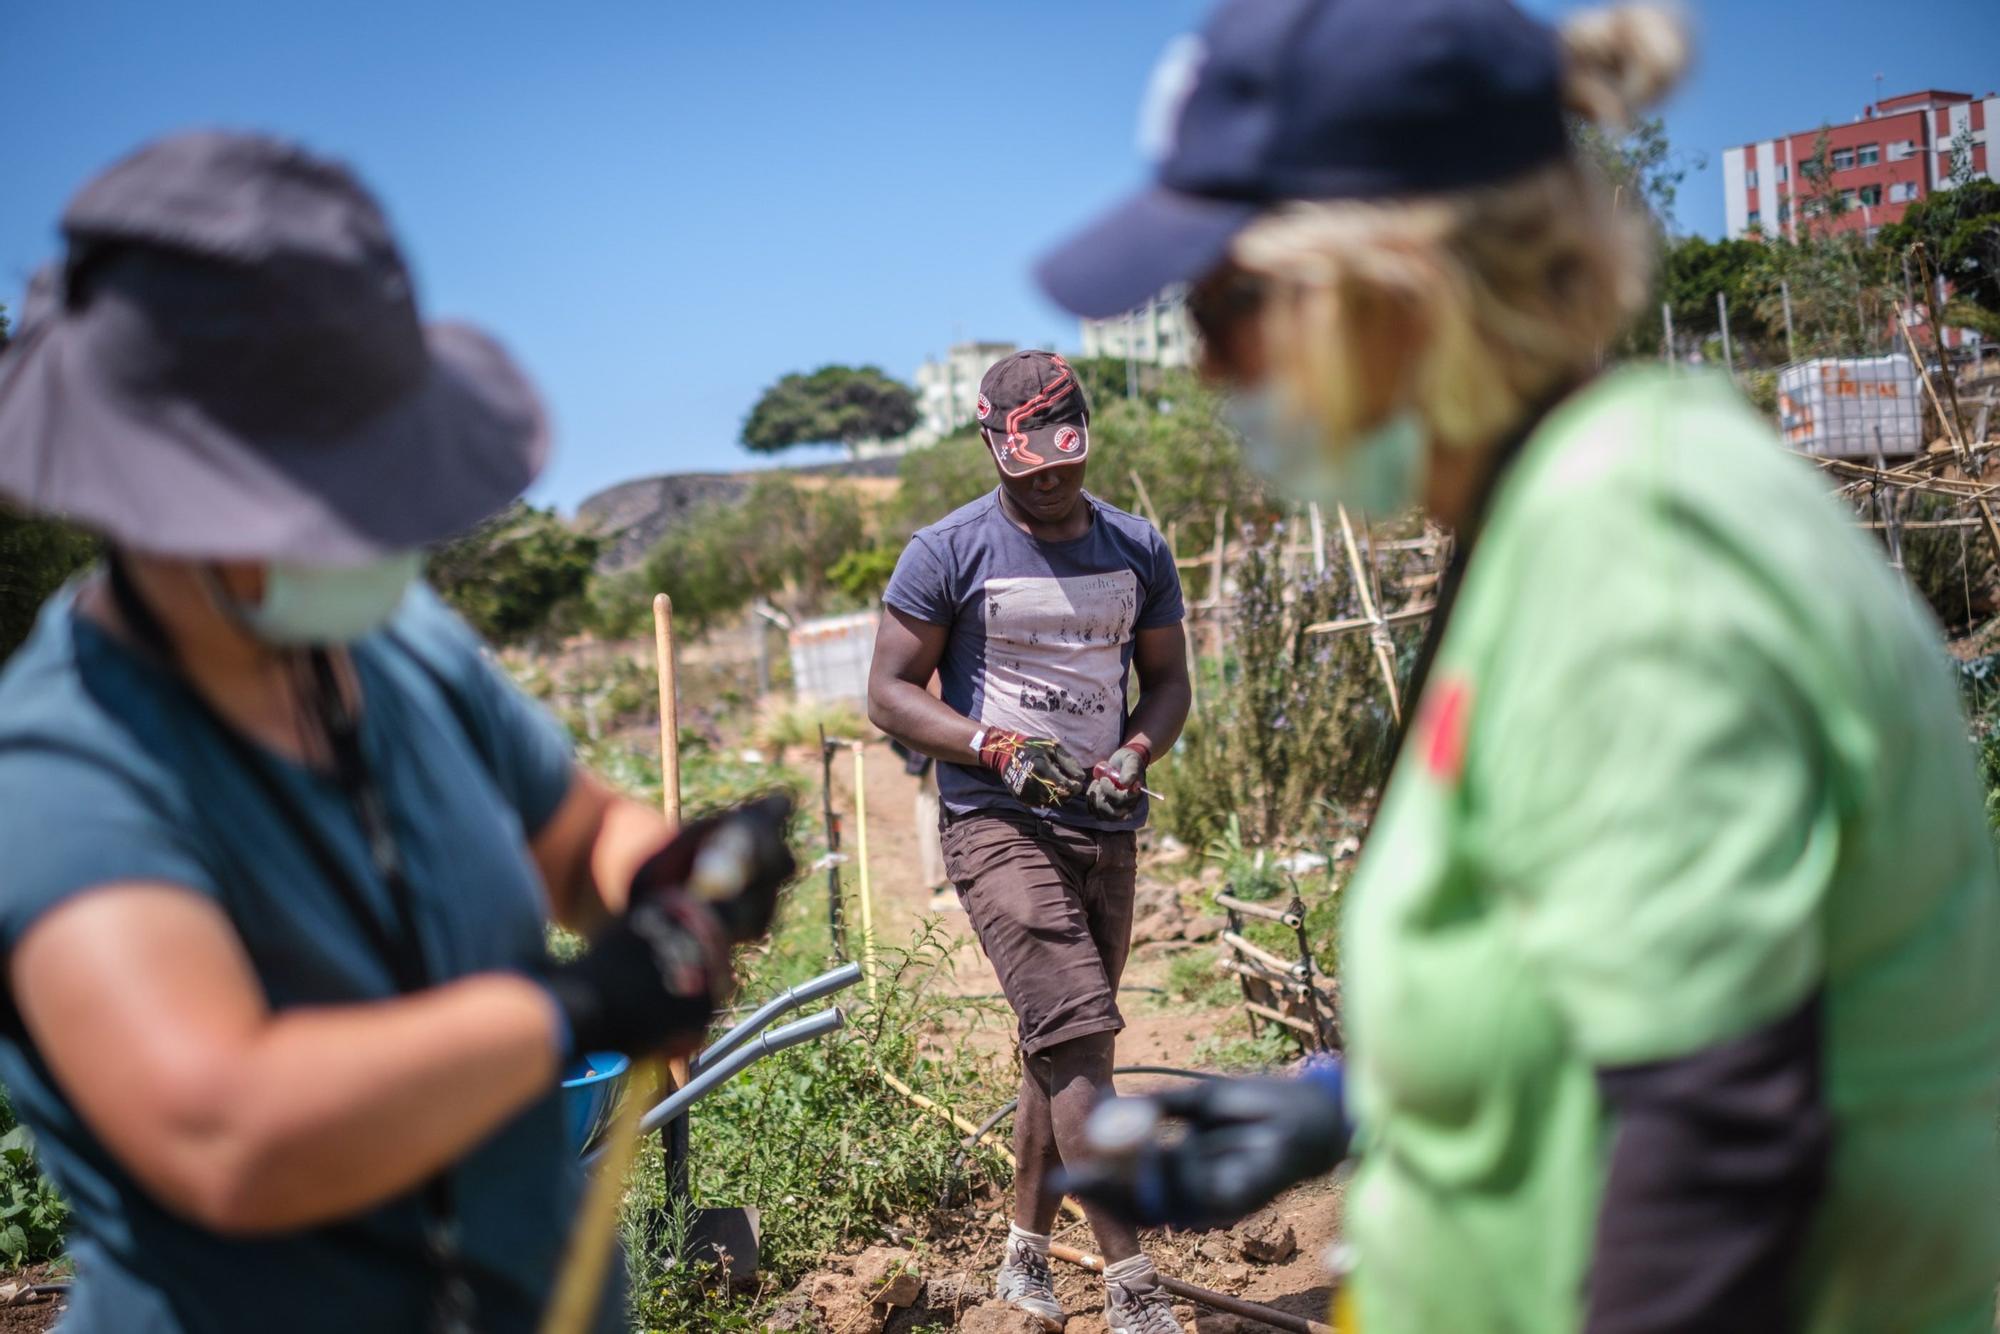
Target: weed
784,722
32,1213
1269,1050
1193,979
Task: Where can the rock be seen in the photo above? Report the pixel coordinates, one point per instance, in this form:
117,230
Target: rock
1215,1249
793,1315
1264,1238
1234,1277
956,1293
842,1303
998,1318
1157,926
888,1277
1205,927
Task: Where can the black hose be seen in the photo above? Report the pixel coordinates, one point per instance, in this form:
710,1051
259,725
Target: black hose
1006,1110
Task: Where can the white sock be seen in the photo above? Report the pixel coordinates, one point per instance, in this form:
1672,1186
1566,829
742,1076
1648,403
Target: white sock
1038,1242
1126,1270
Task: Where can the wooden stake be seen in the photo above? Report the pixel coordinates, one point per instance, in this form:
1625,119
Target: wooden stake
861,871
1070,1207
670,712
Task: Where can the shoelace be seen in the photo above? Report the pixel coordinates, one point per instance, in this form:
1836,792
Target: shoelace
1032,1272
1148,1309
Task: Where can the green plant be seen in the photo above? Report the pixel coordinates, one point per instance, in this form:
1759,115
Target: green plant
1193,979
832,405
786,721
36,556
863,573
1268,1050
1251,873
1288,719
32,1212
515,575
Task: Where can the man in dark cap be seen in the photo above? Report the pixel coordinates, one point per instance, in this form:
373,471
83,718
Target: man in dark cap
1033,604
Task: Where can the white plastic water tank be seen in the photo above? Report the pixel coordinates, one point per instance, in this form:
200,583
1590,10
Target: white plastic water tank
1852,407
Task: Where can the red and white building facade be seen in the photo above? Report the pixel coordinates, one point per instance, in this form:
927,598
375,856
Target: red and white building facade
1894,155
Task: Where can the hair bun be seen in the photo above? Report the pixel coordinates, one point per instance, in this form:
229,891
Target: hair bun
1621,59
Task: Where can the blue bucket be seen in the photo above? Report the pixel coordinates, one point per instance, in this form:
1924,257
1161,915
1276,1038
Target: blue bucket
590,1090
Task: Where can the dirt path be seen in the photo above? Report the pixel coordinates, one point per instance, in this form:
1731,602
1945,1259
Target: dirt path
1157,1033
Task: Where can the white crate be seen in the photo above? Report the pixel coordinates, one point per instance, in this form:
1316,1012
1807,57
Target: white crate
830,658
1852,407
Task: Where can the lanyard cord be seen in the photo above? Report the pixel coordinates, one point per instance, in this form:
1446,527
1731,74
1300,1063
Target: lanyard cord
401,951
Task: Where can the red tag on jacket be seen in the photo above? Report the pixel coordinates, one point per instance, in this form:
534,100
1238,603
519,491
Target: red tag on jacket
1441,731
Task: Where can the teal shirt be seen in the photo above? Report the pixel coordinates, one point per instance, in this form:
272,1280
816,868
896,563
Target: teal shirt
1689,755
109,775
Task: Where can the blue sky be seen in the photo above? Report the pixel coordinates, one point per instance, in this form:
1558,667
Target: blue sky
662,207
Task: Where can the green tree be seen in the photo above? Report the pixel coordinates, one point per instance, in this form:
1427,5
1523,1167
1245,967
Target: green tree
780,541
513,576
1694,270
1641,164
1959,229
842,405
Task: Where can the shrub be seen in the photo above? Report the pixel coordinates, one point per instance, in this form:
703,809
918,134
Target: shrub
32,1213
36,555
1292,726
513,576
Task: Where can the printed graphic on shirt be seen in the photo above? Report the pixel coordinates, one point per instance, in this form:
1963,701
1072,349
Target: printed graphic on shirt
1055,663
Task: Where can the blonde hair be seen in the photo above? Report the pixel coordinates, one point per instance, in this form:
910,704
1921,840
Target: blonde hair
1470,307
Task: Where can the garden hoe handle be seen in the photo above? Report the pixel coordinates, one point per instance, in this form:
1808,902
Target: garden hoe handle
580,1282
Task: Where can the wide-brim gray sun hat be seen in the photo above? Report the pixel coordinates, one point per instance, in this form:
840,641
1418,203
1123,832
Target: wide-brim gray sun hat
229,365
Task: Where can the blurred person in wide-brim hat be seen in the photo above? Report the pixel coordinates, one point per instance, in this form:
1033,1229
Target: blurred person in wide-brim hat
280,842
1671,968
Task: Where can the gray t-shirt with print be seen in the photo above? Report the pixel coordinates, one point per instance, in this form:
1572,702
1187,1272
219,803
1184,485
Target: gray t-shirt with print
1041,633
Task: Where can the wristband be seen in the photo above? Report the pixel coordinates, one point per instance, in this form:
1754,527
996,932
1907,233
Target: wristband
1145,752
978,743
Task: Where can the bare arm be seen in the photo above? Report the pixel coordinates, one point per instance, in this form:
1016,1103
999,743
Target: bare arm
1159,656
144,1004
590,849
907,652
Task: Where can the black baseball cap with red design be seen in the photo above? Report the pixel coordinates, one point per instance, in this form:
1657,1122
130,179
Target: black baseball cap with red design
1033,413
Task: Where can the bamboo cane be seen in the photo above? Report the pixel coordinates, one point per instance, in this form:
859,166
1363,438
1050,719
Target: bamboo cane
861,866
579,1286
1379,630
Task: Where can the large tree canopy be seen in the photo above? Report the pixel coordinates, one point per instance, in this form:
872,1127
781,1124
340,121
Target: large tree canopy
841,405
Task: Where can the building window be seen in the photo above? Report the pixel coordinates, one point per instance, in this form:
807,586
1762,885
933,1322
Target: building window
1750,179
1756,219
1784,173
1902,192
1847,199
1871,195
1843,159
1867,155
1784,211
1901,149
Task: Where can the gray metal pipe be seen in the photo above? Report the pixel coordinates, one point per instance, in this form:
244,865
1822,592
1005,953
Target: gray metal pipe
784,1002
791,1035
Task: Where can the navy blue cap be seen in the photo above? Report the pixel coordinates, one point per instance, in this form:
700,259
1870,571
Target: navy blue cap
1317,99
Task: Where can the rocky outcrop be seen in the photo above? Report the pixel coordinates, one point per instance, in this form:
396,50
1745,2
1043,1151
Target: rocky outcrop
635,515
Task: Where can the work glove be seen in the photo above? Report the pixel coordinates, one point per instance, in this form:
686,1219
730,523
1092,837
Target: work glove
1117,783
654,975
1039,770
1246,1141
735,862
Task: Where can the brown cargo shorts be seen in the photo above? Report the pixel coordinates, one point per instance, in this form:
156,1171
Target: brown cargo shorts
1052,907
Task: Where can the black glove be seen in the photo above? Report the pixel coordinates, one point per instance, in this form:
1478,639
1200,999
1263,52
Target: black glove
1247,1140
1116,784
1037,769
735,863
651,979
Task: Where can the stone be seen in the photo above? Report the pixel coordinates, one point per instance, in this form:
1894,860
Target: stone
998,1318
1265,1238
1158,926
1205,927
842,1304
888,1276
956,1293
1234,1277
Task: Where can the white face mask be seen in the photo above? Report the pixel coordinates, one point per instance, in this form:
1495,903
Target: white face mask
1380,473
323,604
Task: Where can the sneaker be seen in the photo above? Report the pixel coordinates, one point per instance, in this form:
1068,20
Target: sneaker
1139,1306
1025,1284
